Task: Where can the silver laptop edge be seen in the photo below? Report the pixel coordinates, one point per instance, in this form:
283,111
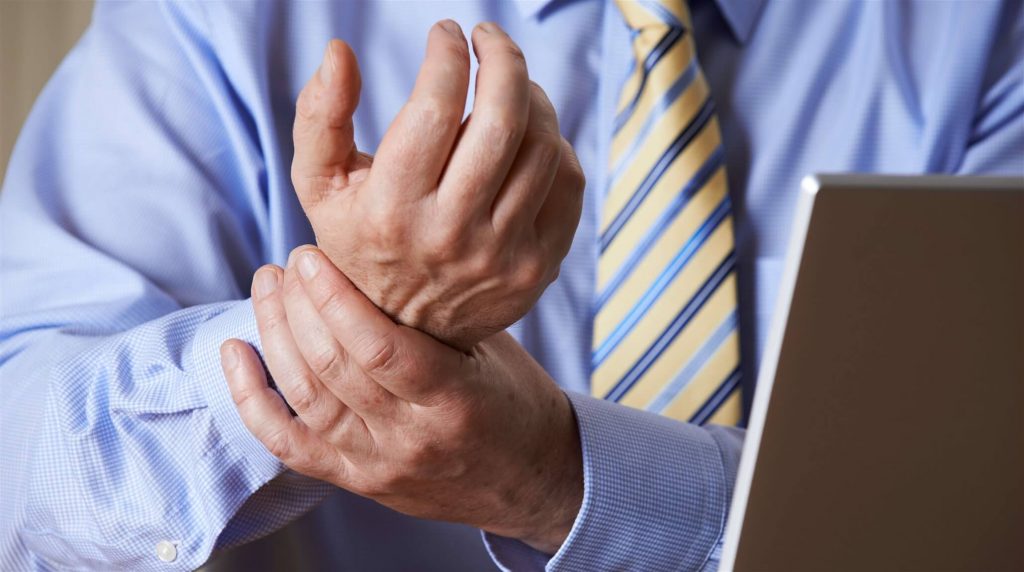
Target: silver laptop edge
766,377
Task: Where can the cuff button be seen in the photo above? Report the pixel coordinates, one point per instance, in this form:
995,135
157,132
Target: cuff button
166,551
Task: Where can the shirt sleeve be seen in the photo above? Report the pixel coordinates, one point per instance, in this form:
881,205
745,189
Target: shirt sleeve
995,145
132,216
656,494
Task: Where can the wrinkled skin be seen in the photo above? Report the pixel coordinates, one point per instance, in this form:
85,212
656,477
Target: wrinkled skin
454,227
484,438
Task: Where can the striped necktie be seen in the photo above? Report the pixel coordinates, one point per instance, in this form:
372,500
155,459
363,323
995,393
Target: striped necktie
666,335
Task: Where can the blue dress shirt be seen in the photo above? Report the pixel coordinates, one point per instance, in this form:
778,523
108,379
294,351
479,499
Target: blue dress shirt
152,179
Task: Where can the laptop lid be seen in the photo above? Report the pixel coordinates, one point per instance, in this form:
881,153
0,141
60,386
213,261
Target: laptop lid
887,431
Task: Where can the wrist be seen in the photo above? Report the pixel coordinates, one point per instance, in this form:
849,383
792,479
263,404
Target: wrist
562,496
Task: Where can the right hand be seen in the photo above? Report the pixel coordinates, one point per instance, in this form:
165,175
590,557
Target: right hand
454,228
484,437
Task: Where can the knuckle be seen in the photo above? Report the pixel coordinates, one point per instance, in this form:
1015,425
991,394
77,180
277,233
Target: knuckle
547,146
502,128
310,107
242,396
384,223
443,245
435,113
481,266
556,272
274,321
380,354
578,178
302,396
325,362
296,172
337,117
332,304
279,443
531,273
337,421
540,96
537,91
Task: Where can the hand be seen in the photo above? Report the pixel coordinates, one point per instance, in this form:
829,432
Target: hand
484,438
454,228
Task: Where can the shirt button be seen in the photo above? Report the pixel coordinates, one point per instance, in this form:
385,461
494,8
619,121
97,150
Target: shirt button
166,551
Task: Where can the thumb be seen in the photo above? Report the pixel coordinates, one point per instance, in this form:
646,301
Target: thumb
323,133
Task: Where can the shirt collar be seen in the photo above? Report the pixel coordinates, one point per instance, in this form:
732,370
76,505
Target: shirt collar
741,15
530,8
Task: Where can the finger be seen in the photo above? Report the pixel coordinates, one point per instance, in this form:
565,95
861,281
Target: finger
494,130
416,146
266,416
327,359
558,217
407,362
323,132
526,187
317,406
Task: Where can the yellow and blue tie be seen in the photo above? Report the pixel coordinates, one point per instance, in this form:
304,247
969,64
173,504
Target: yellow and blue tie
666,334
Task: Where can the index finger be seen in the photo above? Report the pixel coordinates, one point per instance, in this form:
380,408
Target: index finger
416,146
266,416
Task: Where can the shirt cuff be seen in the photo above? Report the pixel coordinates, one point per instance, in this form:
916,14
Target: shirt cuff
655,496
238,322
237,464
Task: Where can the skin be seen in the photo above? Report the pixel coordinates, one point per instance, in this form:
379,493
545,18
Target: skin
483,438
455,227
406,389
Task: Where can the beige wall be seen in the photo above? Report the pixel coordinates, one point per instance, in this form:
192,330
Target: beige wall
34,36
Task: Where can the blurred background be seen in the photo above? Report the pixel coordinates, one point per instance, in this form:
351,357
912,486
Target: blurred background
34,37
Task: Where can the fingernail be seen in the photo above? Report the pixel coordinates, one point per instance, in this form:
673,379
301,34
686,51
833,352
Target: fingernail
489,27
229,357
327,66
309,265
265,282
451,27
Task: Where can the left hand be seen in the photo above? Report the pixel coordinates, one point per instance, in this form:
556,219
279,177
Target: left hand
455,227
484,438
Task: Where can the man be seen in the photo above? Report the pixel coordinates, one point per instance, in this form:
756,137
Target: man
156,175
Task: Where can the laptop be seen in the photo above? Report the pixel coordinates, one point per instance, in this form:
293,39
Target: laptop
887,430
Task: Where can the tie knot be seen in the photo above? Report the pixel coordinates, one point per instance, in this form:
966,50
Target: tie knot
647,14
